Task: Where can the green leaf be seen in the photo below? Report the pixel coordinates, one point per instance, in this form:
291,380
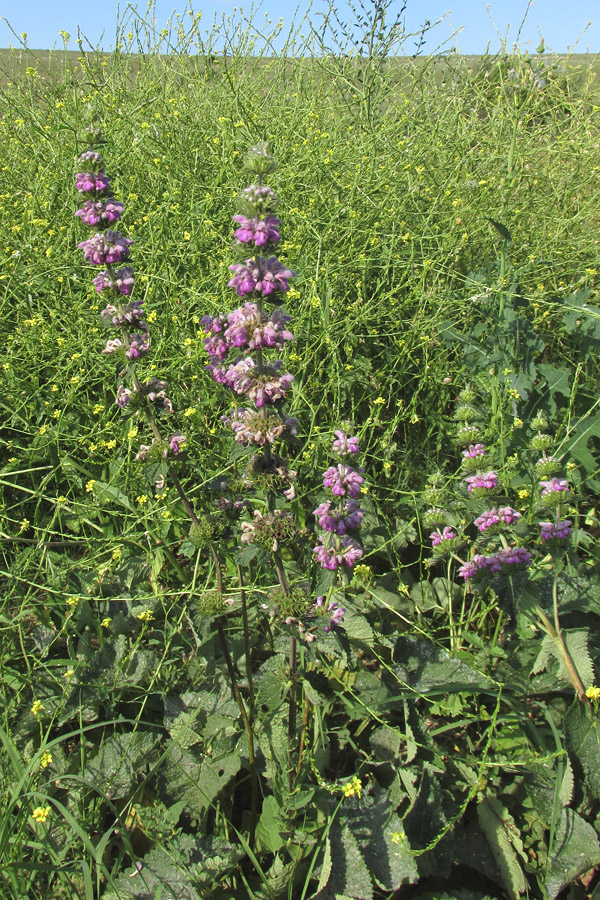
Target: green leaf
344,872
426,819
501,229
197,781
496,821
576,640
357,628
427,668
574,851
583,741
270,826
114,769
182,870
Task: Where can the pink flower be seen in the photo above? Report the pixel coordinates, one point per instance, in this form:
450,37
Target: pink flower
89,181
343,480
487,480
257,231
474,451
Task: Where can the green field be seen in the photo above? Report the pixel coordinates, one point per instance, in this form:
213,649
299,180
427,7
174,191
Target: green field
442,217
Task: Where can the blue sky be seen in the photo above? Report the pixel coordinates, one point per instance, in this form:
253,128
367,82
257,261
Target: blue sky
561,23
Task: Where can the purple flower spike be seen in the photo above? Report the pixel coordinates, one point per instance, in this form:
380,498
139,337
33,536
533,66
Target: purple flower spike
88,182
508,515
176,441
138,345
487,480
339,521
347,552
474,451
261,276
514,556
343,445
336,613
343,481
105,247
438,537
122,281
260,232
95,211
555,485
559,530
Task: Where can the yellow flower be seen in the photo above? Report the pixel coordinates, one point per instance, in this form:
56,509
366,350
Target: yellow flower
593,694
132,433
37,707
90,485
142,499
517,422
72,601
145,616
24,525
69,673
378,401
106,622
523,494
46,759
352,788
40,814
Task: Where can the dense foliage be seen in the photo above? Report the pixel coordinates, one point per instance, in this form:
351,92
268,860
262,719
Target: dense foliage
216,682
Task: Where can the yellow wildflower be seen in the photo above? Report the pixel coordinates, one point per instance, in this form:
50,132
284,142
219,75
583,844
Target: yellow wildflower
352,788
46,759
40,814
37,707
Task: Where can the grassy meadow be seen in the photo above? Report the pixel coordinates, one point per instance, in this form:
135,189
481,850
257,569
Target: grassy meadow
442,217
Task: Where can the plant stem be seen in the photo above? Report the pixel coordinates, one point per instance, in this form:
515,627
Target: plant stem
247,648
555,633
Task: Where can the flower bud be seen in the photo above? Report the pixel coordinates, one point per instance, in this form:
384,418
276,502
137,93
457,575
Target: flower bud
259,159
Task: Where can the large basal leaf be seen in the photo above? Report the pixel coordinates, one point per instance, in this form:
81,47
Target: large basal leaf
574,851
114,769
270,826
344,872
181,870
576,640
381,838
197,781
426,820
426,668
497,824
583,740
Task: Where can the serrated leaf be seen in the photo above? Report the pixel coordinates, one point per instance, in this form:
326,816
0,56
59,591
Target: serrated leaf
357,628
270,826
346,872
428,668
386,743
197,780
114,769
493,818
574,851
583,741
181,870
567,784
426,819
388,855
